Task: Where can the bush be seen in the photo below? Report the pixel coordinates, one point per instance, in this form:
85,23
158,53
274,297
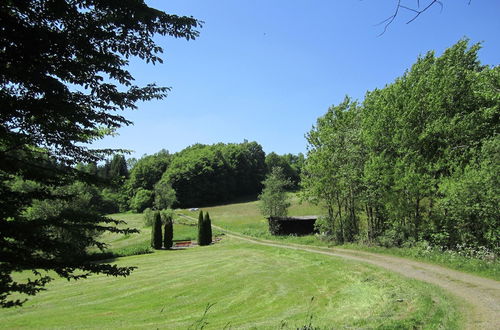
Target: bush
208,229
204,229
168,234
148,217
391,238
201,233
167,214
156,237
141,200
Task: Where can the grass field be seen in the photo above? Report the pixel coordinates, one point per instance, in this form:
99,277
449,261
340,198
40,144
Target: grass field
247,286
245,218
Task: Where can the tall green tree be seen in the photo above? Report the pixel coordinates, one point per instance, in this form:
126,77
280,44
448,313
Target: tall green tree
413,155
201,229
156,235
208,229
168,233
333,171
63,80
164,195
273,199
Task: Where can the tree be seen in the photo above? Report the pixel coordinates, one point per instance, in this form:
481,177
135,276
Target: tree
147,171
168,233
208,229
164,195
201,229
208,174
417,156
118,168
334,167
141,200
156,236
273,199
63,78
291,166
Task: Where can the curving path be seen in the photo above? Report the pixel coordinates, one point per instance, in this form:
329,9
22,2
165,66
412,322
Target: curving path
481,295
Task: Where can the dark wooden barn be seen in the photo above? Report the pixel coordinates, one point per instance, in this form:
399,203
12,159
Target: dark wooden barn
292,225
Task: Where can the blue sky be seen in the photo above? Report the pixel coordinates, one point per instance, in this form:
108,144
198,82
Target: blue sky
265,70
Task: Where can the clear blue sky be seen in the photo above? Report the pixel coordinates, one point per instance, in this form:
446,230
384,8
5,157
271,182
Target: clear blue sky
265,70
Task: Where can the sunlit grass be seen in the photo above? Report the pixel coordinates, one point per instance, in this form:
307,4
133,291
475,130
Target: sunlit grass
248,285
245,218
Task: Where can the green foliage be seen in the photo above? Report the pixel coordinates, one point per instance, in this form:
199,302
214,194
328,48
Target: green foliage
148,215
201,231
203,174
470,201
207,223
291,165
63,82
142,199
118,168
411,159
204,229
244,218
147,171
333,171
164,195
273,199
167,214
168,234
156,235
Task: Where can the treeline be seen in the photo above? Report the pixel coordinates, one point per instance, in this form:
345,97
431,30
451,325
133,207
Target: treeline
198,175
417,160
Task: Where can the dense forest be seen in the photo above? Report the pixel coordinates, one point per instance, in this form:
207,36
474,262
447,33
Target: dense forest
197,176
416,160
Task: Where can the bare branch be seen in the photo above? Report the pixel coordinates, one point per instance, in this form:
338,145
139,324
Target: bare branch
390,19
417,11
432,3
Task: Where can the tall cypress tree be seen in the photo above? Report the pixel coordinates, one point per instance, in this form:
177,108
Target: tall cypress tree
208,229
201,240
156,231
168,234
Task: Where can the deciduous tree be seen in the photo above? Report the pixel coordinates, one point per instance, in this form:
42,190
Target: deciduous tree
63,80
273,199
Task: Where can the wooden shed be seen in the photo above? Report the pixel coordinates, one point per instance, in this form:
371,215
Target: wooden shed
303,225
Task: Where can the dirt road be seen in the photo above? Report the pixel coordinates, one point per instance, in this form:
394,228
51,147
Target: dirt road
480,296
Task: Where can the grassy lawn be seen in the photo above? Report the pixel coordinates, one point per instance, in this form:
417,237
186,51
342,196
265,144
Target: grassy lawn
247,286
245,218
125,245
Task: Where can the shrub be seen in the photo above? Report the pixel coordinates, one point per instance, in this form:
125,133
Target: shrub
204,229
148,217
201,234
167,214
208,229
168,234
142,199
156,231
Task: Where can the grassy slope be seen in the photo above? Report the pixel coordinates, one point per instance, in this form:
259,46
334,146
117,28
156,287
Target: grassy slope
245,218
251,286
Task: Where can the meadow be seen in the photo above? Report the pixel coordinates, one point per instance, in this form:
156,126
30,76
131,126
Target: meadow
243,286
245,218
234,284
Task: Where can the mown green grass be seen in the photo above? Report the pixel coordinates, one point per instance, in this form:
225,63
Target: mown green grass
245,218
118,242
250,286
